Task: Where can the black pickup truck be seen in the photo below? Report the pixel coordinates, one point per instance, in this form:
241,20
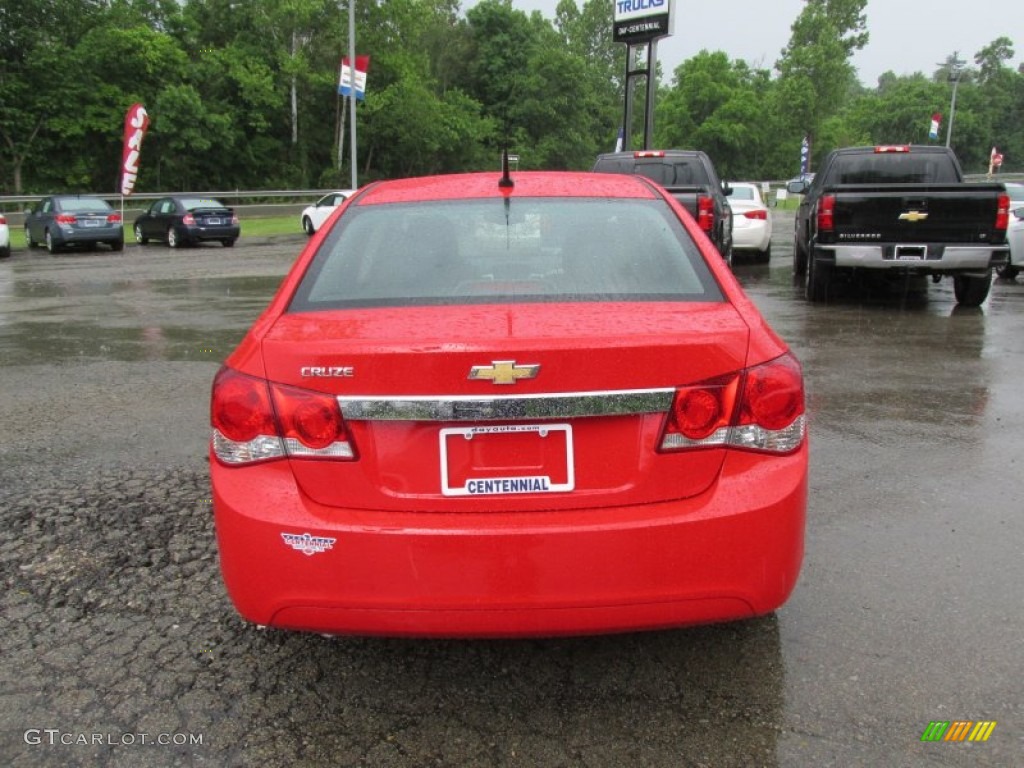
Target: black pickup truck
898,210
690,177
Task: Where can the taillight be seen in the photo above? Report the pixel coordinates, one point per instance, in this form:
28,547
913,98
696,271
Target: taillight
311,423
3,220
706,213
649,153
1003,213
255,420
234,219
759,215
188,219
887,148
759,409
826,213
114,218
65,218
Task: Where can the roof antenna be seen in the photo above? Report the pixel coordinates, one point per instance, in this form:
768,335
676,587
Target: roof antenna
506,179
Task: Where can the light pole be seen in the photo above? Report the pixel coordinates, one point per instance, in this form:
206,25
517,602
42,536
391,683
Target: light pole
956,68
352,89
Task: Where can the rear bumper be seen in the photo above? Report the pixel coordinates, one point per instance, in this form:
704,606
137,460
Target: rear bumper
98,235
937,258
197,234
732,552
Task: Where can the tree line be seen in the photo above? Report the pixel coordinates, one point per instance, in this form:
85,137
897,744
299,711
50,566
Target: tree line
242,94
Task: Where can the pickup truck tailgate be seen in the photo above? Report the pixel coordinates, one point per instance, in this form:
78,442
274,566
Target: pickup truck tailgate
921,213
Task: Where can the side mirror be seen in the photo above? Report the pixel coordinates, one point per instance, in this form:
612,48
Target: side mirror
797,187
726,188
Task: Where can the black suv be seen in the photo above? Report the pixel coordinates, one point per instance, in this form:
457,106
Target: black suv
690,177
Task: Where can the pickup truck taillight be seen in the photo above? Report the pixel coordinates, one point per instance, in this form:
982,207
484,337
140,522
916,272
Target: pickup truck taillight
826,213
706,213
1003,213
256,420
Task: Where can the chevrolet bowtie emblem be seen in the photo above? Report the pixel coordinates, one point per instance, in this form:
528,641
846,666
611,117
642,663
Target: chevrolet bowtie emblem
503,371
913,216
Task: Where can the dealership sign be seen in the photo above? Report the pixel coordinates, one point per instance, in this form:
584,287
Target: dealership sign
637,21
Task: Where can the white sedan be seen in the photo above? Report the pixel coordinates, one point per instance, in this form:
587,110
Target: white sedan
1015,231
314,216
5,238
751,221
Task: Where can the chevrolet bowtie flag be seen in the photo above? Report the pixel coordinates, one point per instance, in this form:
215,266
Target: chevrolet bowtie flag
345,81
805,156
136,121
933,131
995,160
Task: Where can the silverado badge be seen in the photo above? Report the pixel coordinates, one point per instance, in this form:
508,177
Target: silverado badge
914,216
504,371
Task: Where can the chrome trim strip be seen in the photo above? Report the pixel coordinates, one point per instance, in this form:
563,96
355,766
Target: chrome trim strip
564,405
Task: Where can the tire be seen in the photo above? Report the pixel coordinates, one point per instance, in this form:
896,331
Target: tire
172,238
51,246
1008,272
971,291
819,281
5,252
117,245
140,238
28,239
799,258
307,225
229,243
763,257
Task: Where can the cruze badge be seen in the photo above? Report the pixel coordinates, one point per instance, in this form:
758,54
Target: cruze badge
913,216
308,544
503,371
334,371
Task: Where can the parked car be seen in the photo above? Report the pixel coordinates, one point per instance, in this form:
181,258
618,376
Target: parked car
494,404
751,221
66,221
5,238
182,220
691,178
314,216
1015,231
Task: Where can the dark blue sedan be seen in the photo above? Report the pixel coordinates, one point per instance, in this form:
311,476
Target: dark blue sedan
181,220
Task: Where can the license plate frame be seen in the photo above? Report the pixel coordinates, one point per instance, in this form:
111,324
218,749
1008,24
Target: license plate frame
910,252
556,474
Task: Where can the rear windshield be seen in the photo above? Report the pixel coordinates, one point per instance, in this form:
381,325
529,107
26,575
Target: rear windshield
893,168
742,193
194,203
482,251
85,205
667,171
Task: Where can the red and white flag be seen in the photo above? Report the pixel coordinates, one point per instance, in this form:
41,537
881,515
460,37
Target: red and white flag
136,121
345,81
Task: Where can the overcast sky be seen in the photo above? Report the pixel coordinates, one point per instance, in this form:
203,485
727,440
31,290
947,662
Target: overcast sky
906,36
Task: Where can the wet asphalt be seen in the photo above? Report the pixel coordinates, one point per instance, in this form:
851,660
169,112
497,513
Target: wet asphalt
118,645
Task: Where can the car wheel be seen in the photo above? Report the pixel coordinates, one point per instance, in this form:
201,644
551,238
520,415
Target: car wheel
140,238
307,225
117,245
971,291
28,239
51,246
819,280
5,252
172,238
229,243
1008,272
763,257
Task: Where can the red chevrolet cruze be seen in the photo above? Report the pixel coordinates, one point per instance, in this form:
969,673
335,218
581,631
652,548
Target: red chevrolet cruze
497,405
